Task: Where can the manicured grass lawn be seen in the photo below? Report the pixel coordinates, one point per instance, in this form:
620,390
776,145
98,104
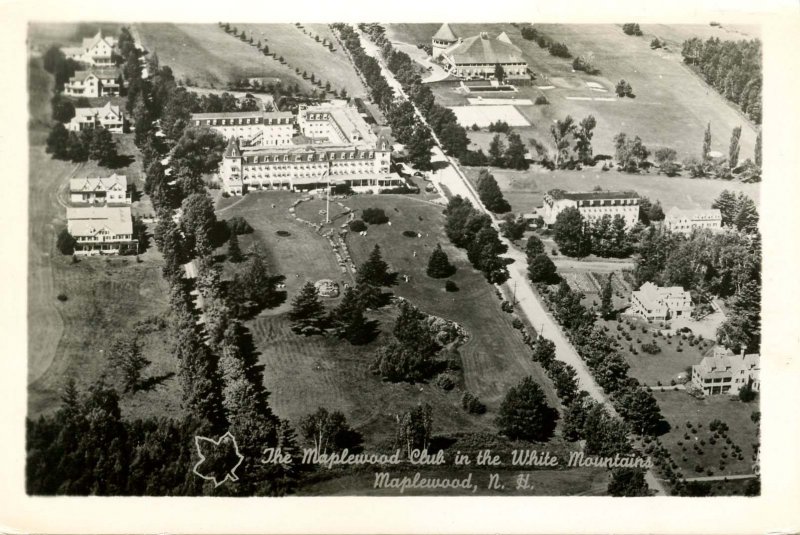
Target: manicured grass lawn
524,189
672,106
301,50
208,57
679,407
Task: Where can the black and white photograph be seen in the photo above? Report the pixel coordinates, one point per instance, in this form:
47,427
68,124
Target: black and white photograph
430,258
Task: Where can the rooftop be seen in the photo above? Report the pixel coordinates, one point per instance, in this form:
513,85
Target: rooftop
245,114
445,33
484,49
108,72
592,195
98,183
700,213
89,220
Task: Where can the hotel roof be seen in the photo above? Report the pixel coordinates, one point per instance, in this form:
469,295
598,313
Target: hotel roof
592,195
483,49
98,184
88,221
245,114
445,33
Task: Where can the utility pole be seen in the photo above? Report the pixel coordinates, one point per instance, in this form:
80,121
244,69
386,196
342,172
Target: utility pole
328,201
514,295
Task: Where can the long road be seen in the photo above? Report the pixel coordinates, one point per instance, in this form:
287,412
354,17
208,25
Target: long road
451,176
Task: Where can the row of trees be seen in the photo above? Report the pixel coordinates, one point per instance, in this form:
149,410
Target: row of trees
490,194
733,68
472,230
94,144
556,49
605,236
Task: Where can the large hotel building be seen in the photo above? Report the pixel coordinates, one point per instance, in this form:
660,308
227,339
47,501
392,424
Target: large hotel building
592,205
280,150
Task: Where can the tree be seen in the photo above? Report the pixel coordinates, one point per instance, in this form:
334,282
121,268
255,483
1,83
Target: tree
514,157
562,132
103,148
63,109
234,253
374,271
631,154
58,142
127,360
197,152
374,216
733,149
490,194
534,246
583,145
415,428
606,295
496,150
499,72
439,266
419,148
513,228
65,242
328,430
707,143
656,212
307,313
348,319
569,233
544,352
638,407
541,269
624,89
198,221
757,153
628,482
524,413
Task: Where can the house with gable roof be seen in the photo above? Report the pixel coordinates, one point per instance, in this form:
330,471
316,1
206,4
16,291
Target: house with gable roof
476,57
97,51
685,221
655,303
108,116
724,372
101,82
108,190
101,229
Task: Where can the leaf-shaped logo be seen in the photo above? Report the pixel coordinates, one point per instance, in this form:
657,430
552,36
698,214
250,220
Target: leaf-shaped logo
219,459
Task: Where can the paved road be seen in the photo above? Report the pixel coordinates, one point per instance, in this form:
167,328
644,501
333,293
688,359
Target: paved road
455,181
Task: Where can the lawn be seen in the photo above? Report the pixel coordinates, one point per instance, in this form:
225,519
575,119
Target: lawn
205,56
301,50
672,106
524,190
679,408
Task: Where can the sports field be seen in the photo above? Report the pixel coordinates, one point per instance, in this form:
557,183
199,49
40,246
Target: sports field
525,189
672,106
484,115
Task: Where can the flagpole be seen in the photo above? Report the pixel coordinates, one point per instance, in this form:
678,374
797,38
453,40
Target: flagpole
328,201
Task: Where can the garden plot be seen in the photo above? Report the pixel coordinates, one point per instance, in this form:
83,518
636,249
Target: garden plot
484,115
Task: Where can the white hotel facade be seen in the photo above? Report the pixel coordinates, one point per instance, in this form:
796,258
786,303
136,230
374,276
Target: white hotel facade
592,205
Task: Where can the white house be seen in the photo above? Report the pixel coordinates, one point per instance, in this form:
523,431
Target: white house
726,373
101,229
95,51
108,190
655,303
478,56
685,221
592,205
95,83
109,116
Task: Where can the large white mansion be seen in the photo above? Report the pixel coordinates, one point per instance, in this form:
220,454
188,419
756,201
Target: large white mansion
593,205
94,51
279,150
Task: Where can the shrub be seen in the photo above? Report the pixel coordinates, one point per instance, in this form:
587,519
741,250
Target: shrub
66,242
450,286
472,404
62,297
238,225
374,216
651,348
541,101
410,233
517,323
357,225
446,381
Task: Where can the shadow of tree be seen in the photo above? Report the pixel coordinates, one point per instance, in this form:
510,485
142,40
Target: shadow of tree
151,382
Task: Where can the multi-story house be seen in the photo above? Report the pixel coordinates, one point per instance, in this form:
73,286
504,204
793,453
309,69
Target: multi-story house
95,83
101,229
109,116
97,51
654,303
108,190
726,373
333,144
592,205
685,221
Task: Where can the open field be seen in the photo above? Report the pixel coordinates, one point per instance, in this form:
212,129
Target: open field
206,56
303,51
524,189
679,407
672,106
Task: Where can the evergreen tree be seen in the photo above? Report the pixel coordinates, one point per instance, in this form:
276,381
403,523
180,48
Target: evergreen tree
374,271
103,148
348,320
496,150
439,266
638,407
514,157
534,246
128,362
58,142
77,147
198,222
490,194
733,150
606,303
419,148
65,242
541,269
307,313
757,154
707,142
234,253
524,413
628,482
